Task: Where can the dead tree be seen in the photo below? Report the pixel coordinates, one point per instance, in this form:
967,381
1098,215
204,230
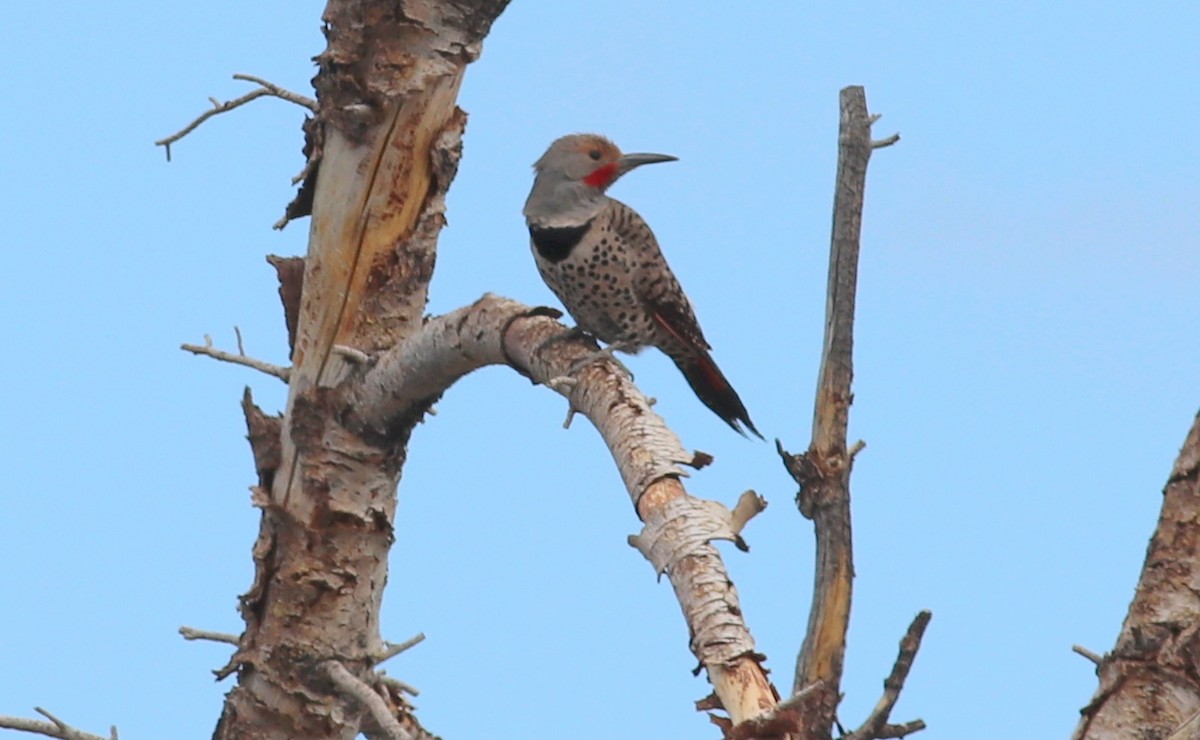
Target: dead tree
382,148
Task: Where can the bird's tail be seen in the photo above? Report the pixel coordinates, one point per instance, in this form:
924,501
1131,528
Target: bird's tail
711,387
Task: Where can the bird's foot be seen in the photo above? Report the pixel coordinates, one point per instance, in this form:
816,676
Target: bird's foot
561,383
604,354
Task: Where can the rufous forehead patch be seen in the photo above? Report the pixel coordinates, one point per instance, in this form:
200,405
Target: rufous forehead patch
608,150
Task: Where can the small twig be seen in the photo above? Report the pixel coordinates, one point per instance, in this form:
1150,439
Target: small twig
392,649
352,687
876,725
54,728
856,448
407,688
881,143
280,92
357,356
267,89
1095,658
207,349
237,332
190,633
902,730
795,699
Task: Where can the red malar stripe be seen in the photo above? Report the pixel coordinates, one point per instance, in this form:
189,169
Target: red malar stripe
602,176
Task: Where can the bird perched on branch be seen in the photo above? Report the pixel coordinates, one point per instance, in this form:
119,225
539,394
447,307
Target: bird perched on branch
603,262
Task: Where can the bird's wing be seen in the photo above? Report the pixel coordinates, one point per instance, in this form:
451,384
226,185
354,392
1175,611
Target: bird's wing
657,287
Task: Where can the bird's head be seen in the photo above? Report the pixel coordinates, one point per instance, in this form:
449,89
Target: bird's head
573,174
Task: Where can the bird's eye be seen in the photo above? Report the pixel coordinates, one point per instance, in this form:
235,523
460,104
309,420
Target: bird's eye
594,154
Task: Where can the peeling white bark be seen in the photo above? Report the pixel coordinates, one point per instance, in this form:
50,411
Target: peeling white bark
678,528
499,331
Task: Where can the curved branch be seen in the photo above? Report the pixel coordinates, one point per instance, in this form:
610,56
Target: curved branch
648,455
499,331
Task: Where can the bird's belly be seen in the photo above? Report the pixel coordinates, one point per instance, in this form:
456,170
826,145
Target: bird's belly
598,292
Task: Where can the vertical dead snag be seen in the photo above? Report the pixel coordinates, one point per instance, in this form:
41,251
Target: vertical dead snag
1150,682
823,471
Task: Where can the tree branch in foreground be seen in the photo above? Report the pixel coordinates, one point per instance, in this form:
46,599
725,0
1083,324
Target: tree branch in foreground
265,89
649,456
54,728
1149,681
823,471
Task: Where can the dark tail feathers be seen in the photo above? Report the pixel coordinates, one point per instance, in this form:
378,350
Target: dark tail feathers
715,392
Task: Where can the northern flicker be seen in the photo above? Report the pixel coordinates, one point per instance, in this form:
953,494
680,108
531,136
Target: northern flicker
603,262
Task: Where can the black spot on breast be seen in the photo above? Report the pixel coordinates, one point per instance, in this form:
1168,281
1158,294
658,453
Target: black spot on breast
554,243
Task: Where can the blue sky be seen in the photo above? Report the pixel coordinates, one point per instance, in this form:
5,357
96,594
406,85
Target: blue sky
1026,355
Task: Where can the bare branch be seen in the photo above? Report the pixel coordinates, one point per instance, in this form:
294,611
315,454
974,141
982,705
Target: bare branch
350,686
280,92
357,356
901,730
407,688
54,728
874,727
391,650
1094,657
265,89
195,634
207,349
648,455
823,470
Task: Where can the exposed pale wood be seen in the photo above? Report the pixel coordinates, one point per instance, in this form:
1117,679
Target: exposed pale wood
388,134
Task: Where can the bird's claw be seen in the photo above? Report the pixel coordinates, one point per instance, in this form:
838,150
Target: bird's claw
562,383
605,354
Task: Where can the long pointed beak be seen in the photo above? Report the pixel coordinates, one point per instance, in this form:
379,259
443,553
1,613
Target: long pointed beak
628,161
